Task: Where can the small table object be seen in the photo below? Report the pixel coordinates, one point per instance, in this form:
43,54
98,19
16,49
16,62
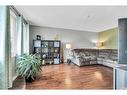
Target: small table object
68,61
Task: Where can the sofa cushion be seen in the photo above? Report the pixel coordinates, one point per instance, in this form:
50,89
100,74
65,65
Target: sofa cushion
114,55
93,58
104,53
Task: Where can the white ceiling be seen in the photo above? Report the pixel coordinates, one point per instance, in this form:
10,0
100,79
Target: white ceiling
84,18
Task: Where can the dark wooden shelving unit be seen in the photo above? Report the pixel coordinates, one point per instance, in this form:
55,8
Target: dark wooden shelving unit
47,50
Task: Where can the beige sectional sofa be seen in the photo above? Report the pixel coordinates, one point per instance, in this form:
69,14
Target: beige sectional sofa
107,57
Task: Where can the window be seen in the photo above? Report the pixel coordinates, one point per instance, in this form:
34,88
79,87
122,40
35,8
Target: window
15,27
14,41
25,38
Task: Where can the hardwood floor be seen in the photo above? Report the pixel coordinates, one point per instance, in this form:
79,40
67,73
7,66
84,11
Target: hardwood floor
73,77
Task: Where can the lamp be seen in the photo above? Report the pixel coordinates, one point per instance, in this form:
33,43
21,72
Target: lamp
68,53
68,46
99,44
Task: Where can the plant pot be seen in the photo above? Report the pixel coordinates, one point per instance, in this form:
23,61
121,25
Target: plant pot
30,79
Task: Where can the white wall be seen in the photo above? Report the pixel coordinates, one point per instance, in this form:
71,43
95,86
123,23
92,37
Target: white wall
78,39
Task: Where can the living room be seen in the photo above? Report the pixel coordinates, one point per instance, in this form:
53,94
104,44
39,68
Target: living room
87,41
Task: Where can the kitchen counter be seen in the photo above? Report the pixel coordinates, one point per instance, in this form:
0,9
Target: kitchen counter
120,65
123,68
120,77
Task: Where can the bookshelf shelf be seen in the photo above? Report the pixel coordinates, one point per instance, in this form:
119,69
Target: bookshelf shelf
47,50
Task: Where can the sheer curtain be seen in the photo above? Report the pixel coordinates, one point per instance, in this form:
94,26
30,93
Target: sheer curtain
19,41
4,46
14,34
13,31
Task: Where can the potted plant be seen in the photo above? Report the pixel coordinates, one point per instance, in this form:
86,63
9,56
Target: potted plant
28,66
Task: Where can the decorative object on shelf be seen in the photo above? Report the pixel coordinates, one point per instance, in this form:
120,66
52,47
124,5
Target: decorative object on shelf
28,66
38,37
38,50
43,62
50,62
43,56
56,50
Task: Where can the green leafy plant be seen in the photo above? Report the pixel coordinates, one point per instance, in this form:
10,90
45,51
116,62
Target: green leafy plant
28,66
